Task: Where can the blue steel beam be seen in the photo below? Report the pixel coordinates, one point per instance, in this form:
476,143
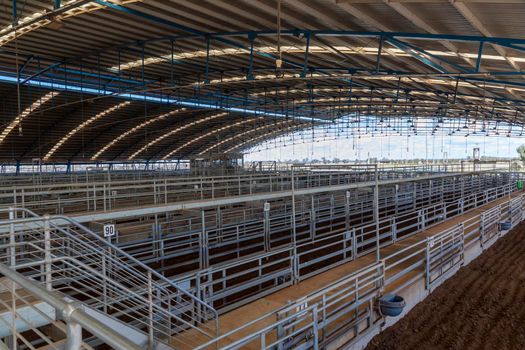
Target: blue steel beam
513,43
478,60
327,70
407,49
14,13
206,104
50,67
154,99
26,62
56,80
509,42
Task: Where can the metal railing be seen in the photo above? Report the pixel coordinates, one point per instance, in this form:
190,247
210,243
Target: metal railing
314,320
113,192
230,285
72,260
78,263
203,238
432,259
444,252
22,317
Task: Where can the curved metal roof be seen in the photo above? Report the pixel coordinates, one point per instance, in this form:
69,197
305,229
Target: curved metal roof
117,80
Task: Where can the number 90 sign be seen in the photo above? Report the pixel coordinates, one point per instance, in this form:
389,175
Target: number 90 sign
109,230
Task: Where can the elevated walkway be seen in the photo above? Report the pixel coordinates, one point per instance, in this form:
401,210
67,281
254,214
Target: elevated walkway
321,297
404,263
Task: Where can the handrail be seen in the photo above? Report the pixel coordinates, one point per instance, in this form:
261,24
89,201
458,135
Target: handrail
137,284
412,250
71,311
315,300
195,275
117,249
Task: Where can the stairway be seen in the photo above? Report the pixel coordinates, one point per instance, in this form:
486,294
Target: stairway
113,288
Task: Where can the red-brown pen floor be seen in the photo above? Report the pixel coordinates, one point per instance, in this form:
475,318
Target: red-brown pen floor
481,307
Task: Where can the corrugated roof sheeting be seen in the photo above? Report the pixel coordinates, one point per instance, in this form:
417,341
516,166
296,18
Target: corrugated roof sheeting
504,20
90,48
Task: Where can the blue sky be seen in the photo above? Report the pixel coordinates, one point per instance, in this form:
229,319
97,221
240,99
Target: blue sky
393,147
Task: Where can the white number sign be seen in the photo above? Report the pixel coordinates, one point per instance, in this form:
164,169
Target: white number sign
109,230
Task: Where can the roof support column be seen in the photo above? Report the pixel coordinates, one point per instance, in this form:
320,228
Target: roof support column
206,77
306,53
251,37
118,73
380,48
480,53
456,91
142,63
15,15
350,91
172,66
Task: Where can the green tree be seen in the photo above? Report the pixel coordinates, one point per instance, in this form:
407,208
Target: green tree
521,152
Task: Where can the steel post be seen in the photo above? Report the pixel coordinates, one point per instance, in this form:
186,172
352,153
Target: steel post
74,336
376,212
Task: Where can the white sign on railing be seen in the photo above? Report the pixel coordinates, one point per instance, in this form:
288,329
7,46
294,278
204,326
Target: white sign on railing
109,230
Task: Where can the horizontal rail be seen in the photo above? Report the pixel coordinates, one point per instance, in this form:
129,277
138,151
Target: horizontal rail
70,311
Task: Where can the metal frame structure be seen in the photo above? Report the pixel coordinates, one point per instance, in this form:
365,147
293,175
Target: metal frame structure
230,252
72,314
439,254
116,289
109,191
214,58
184,88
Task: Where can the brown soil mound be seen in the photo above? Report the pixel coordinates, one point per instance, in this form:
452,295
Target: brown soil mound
481,307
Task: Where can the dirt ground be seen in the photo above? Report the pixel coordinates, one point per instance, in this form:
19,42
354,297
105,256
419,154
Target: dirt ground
481,307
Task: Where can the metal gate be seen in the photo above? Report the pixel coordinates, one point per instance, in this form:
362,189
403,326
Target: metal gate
516,210
444,254
489,226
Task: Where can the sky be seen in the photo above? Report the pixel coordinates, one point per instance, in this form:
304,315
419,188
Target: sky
392,147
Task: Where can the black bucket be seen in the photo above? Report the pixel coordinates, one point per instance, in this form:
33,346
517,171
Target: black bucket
505,225
391,305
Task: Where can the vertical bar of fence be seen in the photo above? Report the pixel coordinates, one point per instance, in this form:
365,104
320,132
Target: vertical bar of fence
315,326
13,341
203,242
105,283
266,226
427,262
347,210
150,313
294,230
47,253
293,209
12,240
74,336
376,212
